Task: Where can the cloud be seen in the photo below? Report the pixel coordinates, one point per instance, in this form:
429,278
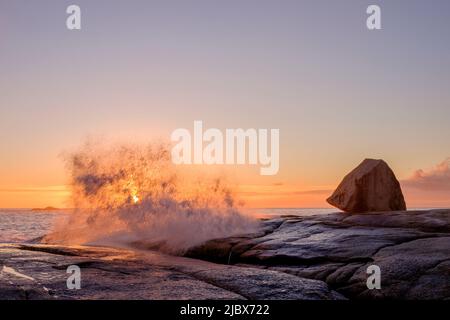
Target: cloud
319,192
62,188
281,189
434,179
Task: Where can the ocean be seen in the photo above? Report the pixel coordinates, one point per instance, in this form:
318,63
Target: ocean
21,225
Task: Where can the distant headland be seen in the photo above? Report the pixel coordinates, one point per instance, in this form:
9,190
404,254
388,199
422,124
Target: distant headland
46,209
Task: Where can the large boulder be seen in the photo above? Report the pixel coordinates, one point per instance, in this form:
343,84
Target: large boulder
371,186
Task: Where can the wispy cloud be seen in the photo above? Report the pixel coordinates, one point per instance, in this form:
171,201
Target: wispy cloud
61,188
434,179
280,189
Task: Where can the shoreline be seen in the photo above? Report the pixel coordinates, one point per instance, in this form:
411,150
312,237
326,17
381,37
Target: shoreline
311,257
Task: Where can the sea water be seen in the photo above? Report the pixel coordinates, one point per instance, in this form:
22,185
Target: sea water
21,225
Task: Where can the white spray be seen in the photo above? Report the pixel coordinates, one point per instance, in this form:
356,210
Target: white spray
131,194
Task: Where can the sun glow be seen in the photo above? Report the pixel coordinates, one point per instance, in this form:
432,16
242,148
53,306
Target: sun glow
131,185
135,192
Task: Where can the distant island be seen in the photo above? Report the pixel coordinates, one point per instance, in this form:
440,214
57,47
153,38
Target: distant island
45,209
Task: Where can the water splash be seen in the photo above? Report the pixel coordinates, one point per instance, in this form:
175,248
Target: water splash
132,194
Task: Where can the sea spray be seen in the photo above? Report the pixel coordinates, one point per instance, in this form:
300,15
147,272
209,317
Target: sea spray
134,195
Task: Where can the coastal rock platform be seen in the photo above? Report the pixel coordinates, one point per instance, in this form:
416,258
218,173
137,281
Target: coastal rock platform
411,248
290,257
40,272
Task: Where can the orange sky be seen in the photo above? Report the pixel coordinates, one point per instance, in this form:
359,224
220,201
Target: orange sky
252,196
260,194
337,92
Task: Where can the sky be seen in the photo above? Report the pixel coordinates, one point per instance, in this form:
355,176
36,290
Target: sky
137,70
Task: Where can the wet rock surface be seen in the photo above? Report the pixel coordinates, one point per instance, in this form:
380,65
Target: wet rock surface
39,272
290,257
412,249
